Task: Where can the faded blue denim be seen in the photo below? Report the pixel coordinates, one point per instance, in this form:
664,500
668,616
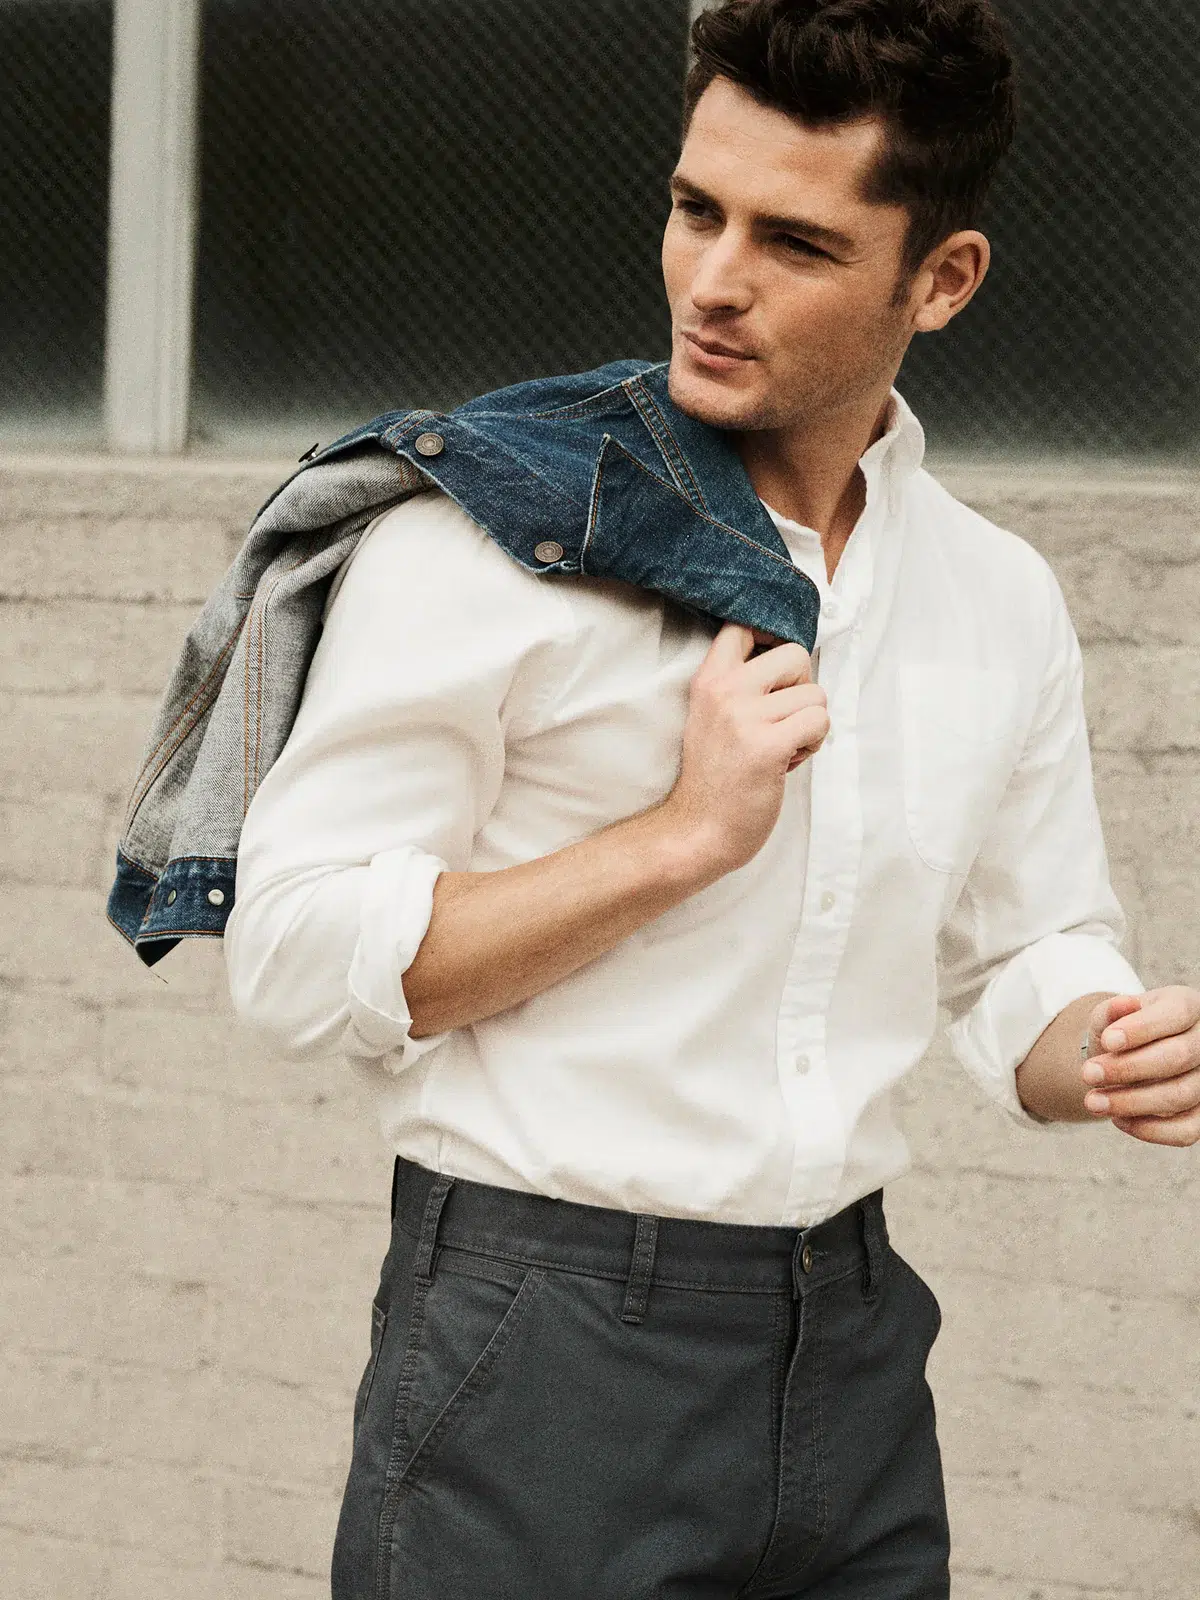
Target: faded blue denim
595,473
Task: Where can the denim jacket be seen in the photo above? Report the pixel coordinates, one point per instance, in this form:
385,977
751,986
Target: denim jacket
594,473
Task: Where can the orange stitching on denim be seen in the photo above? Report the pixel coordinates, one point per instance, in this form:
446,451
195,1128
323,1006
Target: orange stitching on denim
673,448
704,516
144,784
262,646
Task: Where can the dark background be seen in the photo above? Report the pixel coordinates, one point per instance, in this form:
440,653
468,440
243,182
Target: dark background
408,202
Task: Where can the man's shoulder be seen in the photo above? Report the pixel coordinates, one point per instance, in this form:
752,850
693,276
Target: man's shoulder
967,537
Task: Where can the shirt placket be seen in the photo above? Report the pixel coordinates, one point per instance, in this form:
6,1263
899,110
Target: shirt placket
830,892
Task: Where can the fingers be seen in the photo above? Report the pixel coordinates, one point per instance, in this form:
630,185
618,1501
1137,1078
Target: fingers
1181,1132
1166,1058
1171,1098
801,734
1110,1011
781,664
1161,1012
781,703
731,645
785,665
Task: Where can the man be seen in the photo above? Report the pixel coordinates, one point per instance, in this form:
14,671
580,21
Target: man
633,930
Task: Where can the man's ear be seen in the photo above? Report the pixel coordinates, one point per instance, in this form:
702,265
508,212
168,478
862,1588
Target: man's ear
948,279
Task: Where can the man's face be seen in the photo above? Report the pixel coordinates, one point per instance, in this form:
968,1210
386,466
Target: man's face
770,251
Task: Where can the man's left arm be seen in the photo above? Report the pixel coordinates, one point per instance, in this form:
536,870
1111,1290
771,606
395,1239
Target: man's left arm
1142,1070
1029,961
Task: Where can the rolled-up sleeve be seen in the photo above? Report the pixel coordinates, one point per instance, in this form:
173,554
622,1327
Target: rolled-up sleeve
394,762
1037,924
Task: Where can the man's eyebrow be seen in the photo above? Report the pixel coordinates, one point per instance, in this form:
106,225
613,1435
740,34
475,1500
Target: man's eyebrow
808,229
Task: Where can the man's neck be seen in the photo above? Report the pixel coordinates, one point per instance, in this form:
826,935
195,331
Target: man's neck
812,476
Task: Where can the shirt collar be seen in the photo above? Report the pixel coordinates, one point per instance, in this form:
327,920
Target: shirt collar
897,454
887,466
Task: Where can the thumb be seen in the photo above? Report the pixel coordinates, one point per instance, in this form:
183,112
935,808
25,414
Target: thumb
731,645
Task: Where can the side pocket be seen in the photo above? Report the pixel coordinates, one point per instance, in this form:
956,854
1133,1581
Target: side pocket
378,1324
461,1325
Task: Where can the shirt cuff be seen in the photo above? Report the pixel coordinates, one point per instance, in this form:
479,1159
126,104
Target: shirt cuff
395,910
1022,999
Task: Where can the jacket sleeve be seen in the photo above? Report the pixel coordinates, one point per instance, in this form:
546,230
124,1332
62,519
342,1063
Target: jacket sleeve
1037,924
428,657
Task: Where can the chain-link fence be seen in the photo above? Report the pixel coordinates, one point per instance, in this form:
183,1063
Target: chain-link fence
408,202
411,201
1086,336
55,72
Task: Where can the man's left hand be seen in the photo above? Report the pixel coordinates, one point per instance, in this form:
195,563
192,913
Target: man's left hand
1148,1074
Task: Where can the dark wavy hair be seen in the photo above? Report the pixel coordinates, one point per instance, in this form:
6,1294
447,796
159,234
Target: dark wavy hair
938,72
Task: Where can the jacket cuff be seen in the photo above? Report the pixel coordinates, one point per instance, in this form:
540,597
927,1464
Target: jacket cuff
396,907
1022,999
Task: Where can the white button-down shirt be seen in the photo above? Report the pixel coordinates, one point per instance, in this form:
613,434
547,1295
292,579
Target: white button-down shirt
734,1058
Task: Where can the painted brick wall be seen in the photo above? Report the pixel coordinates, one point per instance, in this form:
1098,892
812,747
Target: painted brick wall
192,1230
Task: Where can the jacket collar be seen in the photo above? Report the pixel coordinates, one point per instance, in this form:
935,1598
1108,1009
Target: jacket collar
669,508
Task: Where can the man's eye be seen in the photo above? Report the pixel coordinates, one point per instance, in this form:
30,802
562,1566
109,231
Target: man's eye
694,208
800,246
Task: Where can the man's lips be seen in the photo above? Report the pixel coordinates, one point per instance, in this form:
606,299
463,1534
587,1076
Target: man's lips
715,350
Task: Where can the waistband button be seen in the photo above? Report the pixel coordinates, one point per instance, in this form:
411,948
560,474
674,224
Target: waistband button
806,1258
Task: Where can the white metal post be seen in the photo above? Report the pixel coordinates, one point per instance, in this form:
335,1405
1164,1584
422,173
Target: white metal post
152,224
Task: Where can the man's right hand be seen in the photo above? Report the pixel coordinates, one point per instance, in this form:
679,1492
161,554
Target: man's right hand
750,722
496,938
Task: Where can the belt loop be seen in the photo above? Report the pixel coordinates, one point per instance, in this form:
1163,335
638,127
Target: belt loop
875,1237
641,1269
434,1201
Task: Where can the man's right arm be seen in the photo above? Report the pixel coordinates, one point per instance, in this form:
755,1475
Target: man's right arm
352,869
496,938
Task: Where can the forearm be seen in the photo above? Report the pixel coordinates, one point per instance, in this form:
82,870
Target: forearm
496,938
1049,1080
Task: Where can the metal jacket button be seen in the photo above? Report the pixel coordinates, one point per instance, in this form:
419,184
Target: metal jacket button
216,897
171,894
429,444
806,1258
548,550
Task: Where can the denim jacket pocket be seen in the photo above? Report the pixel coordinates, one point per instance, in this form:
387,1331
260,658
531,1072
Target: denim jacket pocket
959,730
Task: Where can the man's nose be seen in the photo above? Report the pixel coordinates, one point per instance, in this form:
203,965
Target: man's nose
721,281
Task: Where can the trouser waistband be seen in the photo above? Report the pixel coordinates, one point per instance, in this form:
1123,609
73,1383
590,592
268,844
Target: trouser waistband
443,1211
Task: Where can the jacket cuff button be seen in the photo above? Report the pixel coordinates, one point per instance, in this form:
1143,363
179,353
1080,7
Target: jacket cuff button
429,444
548,550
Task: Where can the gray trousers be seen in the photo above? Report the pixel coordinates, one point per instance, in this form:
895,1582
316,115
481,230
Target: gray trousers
568,1402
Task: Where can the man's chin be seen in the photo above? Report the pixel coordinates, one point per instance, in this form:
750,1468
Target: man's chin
709,399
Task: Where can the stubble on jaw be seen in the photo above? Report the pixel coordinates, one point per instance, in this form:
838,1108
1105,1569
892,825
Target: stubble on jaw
814,396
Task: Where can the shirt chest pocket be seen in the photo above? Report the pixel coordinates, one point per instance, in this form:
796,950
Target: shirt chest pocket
960,735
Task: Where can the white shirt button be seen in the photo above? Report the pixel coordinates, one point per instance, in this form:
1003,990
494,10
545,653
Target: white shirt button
828,900
802,1063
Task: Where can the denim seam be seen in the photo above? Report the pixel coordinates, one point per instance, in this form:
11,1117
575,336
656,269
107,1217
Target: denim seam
703,515
574,408
144,784
667,442
648,415
261,652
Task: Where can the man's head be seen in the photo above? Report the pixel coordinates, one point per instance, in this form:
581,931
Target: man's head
835,161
